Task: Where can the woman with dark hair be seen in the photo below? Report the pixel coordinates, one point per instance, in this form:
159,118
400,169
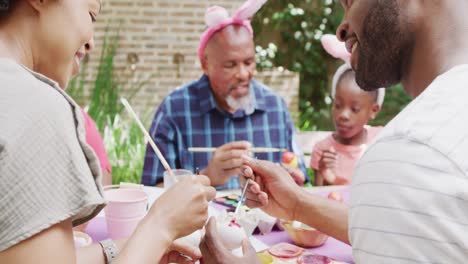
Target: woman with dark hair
50,176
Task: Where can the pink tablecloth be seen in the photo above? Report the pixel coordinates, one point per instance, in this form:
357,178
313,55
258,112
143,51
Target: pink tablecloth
97,229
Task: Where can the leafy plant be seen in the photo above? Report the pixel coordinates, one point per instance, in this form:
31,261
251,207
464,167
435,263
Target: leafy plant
288,35
291,30
104,102
76,85
122,138
395,100
126,149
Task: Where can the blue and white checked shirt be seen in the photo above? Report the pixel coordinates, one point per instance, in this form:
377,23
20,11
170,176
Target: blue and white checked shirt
189,117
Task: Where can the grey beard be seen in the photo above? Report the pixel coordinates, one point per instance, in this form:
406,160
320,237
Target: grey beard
244,103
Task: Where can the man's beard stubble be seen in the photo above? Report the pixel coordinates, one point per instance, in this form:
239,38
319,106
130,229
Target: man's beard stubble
243,103
384,45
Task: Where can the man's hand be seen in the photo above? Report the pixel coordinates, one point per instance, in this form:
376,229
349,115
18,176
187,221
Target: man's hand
226,162
297,175
273,189
275,192
214,252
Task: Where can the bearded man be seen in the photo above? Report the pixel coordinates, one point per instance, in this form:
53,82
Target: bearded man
225,109
409,194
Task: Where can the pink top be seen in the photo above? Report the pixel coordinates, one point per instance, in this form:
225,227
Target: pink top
93,138
348,155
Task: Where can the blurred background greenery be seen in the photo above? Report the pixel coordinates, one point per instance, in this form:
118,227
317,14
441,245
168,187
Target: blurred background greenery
287,35
124,142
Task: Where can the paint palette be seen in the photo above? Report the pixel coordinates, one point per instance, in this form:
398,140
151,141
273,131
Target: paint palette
231,202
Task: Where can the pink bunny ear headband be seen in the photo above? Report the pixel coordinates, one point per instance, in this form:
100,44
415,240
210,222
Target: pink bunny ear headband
338,50
217,18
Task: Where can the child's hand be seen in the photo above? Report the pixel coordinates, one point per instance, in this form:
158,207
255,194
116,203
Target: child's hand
328,164
329,176
328,159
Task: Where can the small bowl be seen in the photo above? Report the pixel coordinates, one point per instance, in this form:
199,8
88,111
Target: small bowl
303,235
82,239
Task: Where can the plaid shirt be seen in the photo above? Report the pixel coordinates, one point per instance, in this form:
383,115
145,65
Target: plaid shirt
189,117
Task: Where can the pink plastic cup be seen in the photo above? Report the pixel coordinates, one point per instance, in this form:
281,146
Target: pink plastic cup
125,208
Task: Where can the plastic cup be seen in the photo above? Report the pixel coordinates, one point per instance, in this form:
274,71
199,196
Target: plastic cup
179,174
125,209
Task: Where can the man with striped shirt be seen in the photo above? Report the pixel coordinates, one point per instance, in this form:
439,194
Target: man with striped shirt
409,195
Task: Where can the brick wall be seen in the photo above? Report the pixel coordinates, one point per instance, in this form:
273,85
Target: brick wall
164,34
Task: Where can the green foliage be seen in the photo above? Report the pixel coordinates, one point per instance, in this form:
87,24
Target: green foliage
395,100
122,138
288,35
76,85
313,118
291,30
125,146
311,174
105,93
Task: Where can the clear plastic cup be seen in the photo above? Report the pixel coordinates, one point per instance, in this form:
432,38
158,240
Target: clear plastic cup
179,174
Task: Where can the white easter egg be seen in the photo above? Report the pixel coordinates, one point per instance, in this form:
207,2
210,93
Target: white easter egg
231,235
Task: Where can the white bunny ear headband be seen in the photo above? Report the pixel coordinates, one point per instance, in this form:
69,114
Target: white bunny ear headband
217,18
338,50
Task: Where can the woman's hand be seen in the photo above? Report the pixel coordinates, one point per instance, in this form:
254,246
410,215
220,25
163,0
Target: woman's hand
184,207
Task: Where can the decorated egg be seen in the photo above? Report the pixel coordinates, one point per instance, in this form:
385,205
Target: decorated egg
232,234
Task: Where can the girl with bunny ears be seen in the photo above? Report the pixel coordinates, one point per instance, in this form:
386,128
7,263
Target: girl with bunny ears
335,157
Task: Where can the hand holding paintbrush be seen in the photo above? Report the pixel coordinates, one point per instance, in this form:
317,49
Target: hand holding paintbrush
226,161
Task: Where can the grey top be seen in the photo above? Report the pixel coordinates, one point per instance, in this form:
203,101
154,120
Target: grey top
48,172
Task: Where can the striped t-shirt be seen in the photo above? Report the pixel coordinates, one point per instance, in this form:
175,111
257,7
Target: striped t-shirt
409,200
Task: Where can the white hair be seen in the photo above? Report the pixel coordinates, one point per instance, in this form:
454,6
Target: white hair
245,103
